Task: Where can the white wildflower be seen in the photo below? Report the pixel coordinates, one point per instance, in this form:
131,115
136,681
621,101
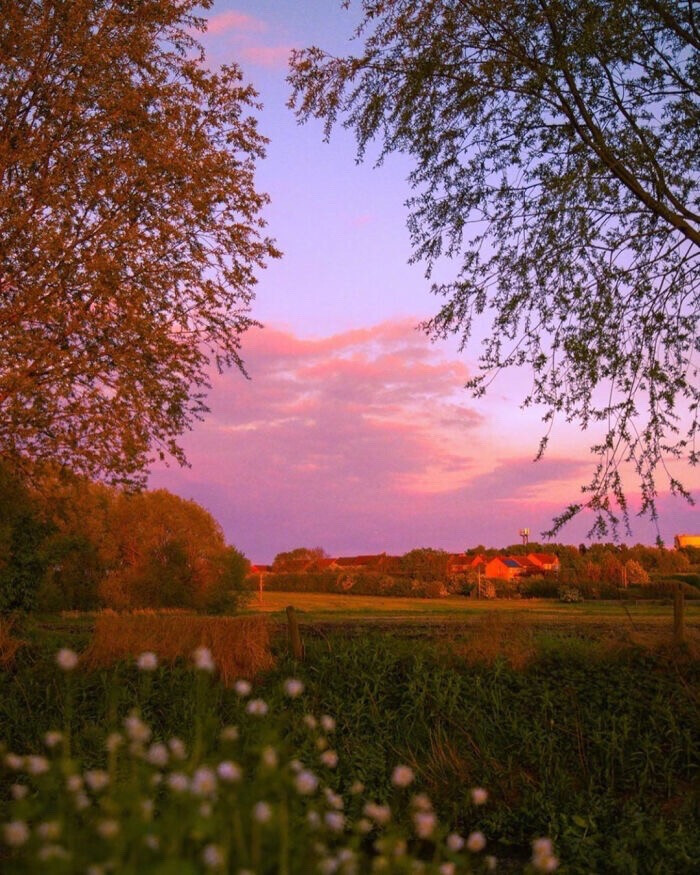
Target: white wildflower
543,858
203,660
402,776
313,819
136,729
455,842
293,688
262,812
229,772
96,779
108,828
424,823
447,869
157,755
421,802
306,782
333,799
310,721
328,723
242,688
74,783
151,841
66,659
229,733
204,782
178,782
257,707
356,788
14,761
15,833
81,801
213,857
490,862
49,830
147,661
327,866
37,765
53,738
205,809
334,820
476,842
269,757
114,741
479,795
364,825
329,758
177,748
19,791
380,814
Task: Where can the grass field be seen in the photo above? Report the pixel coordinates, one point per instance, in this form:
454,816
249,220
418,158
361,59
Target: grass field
330,607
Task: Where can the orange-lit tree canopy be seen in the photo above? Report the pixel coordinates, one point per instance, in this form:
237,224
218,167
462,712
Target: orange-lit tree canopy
130,229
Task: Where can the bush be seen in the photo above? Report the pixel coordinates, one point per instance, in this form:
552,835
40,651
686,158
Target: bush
539,588
569,593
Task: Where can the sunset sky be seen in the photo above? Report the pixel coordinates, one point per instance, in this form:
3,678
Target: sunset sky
355,433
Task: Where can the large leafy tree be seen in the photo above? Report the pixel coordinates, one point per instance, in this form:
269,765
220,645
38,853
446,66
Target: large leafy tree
130,228
557,149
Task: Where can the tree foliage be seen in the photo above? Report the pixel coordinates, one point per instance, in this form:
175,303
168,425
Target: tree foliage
22,532
130,228
557,148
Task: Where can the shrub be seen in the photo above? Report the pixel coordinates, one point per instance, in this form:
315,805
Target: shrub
539,588
569,593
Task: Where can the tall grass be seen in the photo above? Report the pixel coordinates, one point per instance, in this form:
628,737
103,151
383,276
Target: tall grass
240,646
9,645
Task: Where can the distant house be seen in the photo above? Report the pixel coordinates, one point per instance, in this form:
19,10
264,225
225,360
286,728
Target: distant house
544,562
504,568
360,561
478,561
323,564
260,569
681,541
458,563
296,566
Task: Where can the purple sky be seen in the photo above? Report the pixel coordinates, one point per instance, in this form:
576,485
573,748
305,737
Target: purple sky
355,433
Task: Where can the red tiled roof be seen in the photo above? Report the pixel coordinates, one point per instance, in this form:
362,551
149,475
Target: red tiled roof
355,561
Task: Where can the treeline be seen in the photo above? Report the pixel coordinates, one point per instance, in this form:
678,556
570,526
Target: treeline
591,571
67,543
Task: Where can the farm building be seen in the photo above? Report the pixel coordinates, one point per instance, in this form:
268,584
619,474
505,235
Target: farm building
681,541
504,568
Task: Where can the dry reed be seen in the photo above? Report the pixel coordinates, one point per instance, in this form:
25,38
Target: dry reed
9,645
240,646
494,637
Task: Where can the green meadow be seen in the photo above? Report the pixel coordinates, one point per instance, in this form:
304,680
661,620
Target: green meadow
583,731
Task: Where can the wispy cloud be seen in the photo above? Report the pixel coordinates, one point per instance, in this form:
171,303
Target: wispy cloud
232,21
267,56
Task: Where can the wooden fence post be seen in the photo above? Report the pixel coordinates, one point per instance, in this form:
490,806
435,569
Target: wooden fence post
678,610
295,642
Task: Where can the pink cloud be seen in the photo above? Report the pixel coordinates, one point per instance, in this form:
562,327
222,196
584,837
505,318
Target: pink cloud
364,440
275,57
230,20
